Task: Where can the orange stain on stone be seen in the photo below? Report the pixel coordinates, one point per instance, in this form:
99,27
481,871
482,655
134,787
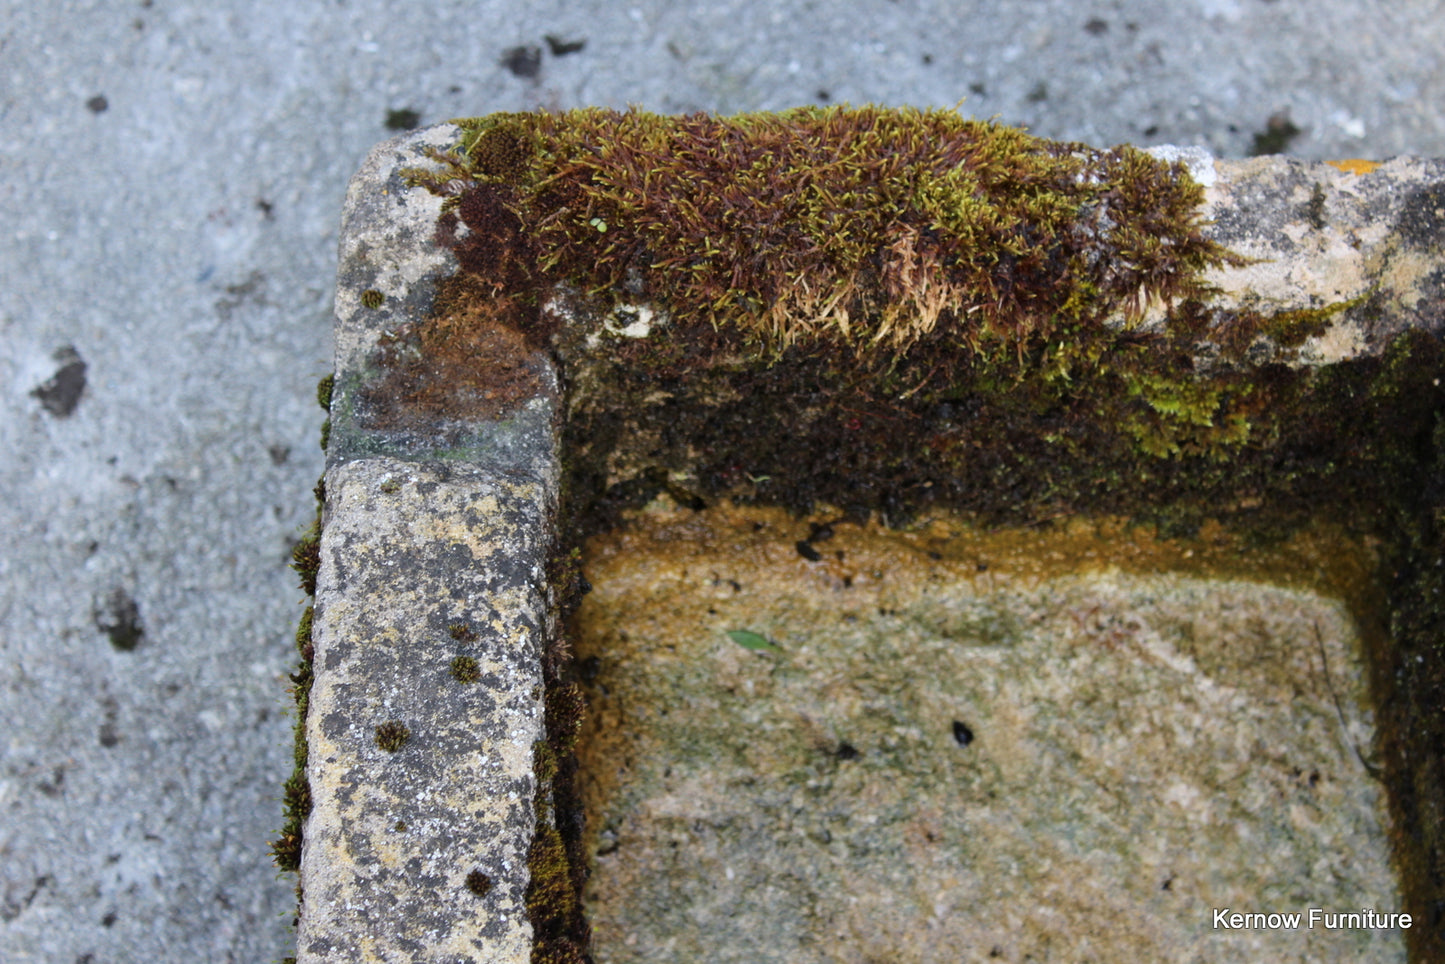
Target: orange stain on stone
1355,165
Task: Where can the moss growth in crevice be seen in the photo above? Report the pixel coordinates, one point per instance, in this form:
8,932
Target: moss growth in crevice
296,791
557,860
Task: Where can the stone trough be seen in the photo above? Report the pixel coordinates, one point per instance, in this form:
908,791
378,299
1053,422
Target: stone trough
1057,723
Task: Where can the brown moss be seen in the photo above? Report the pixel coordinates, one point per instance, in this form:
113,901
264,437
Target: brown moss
471,362
553,906
479,883
462,633
866,227
500,152
494,247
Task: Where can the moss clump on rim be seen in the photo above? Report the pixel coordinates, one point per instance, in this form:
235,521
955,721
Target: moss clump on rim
479,883
866,226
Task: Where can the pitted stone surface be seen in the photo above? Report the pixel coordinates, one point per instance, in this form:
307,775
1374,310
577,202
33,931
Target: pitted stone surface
421,563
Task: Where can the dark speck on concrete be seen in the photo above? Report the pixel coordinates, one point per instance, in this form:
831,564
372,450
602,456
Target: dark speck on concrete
97,104
1096,26
60,394
561,48
402,119
523,61
1278,131
119,618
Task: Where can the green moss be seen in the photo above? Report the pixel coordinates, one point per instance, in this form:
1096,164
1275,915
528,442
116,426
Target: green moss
1184,415
392,735
371,298
324,389
296,791
303,633
465,669
306,557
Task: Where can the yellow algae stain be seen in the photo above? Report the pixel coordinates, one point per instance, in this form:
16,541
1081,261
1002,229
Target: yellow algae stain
1321,559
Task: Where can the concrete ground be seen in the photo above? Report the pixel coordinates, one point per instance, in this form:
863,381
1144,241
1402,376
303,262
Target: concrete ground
171,173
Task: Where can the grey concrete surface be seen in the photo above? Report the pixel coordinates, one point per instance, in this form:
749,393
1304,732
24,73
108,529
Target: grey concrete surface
171,175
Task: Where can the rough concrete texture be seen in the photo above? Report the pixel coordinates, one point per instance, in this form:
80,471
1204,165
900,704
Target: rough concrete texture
971,746
172,174
421,775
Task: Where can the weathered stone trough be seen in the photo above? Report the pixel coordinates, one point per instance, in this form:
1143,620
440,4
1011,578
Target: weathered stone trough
1009,695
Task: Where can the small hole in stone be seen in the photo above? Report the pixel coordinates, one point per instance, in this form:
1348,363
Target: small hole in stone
962,734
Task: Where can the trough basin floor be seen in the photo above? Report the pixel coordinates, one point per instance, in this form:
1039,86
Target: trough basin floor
811,740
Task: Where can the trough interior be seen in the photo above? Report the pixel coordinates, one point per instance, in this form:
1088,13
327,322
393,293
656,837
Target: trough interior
945,742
